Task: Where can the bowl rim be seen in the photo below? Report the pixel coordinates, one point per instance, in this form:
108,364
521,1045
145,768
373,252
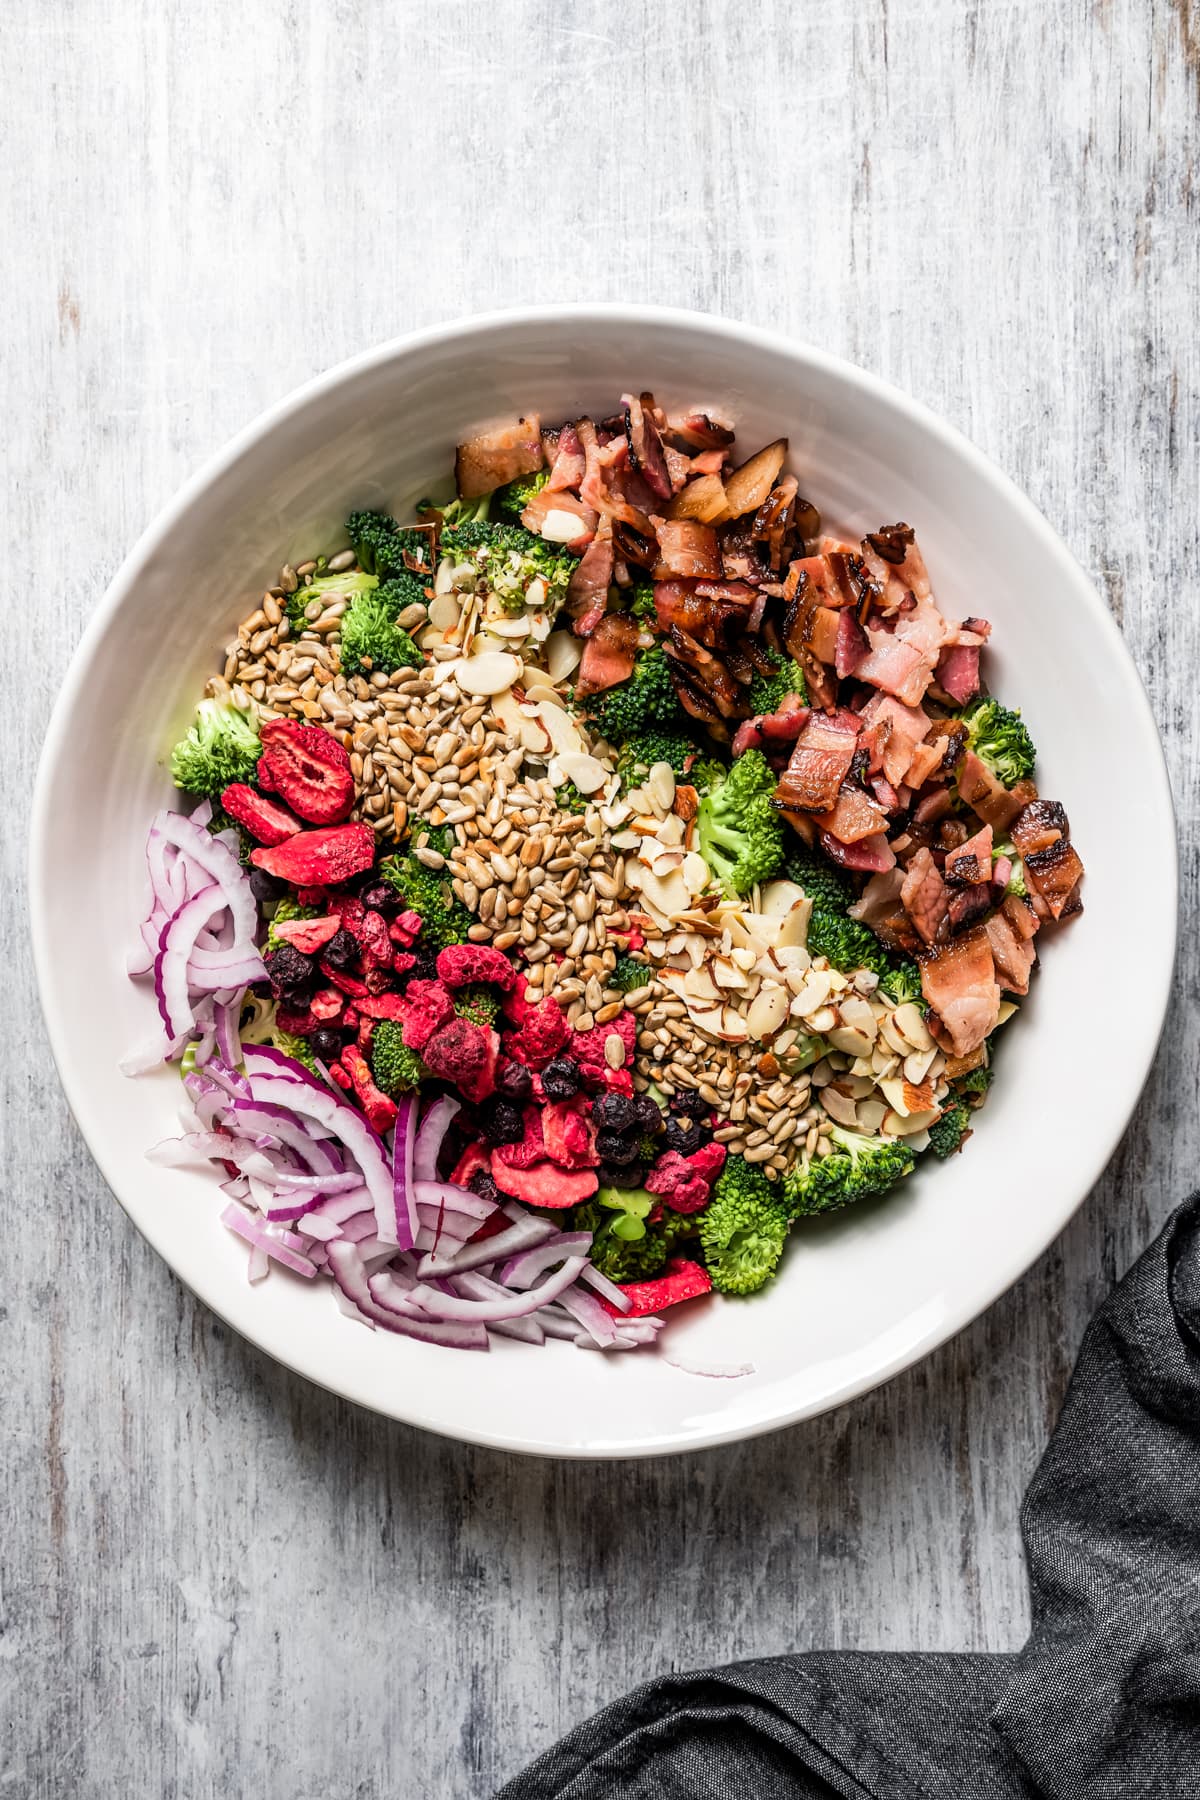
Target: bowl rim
1157,976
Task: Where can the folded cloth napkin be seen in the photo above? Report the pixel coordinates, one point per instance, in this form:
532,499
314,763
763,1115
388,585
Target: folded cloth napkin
1103,1703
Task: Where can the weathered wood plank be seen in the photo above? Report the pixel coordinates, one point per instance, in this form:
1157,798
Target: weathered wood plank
214,1578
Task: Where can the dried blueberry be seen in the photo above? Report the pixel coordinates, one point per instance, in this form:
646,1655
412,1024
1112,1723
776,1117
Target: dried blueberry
513,1079
342,951
266,887
291,972
621,1175
690,1104
481,1183
326,1043
646,1115
378,897
502,1122
617,1149
615,1112
685,1135
560,1078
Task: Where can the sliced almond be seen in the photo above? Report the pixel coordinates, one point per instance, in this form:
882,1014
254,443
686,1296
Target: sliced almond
766,1012
848,1041
726,974
777,898
667,893
695,872
540,693
661,782
911,1024
488,674
896,1125
444,610
561,527
871,1114
839,1106
793,929
585,771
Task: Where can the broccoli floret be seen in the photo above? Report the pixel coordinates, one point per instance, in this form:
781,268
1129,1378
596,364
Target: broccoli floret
742,1229
298,1048
630,975
444,920
370,637
974,1084
1016,883
739,832
510,501
950,1132
642,605
477,1003
507,559
768,692
325,588
287,909
396,1068
569,798
858,1166
999,739
222,746
615,1253
902,982
825,885
706,774
647,699
384,548
646,748
845,943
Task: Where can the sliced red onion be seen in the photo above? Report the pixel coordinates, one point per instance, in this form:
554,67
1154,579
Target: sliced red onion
607,1288
587,1311
346,1206
453,1306
312,1225
211,1146
396,1215
152,1055
234,969
348,1271
521,1236
175,946
358,1229
258,1265
234,1083
253,1119
618,1341
522,1270
556,1324
309,1097
256,1233
429,1139
527,1330
454,1199
219,863
229,1045
445,1227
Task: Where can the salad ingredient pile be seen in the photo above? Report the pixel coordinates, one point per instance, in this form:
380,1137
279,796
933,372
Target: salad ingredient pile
588,882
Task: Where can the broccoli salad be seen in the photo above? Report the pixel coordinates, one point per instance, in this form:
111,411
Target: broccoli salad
586,882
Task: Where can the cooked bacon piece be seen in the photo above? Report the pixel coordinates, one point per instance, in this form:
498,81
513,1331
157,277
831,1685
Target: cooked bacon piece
850,646
1054,875
599,487
494,457
896,565
696,431
885,793
968,905
608,655
1039,825
933,806
925,759
707,671
645,446
923,896
853,816
838,577
770,730
958,671
1020,916
687,549
895,667
873,854
773,520
632,548
709,462
587,590
543,503
989,797
971,863
708,612
980,628
897,732
1014,956
879,899
923,628
958,980
823,634
568,465
819,764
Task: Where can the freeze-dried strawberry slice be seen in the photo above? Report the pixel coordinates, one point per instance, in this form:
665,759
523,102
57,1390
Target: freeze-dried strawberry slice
317,858
683,1280
544,1184
263,819
309,935
309,767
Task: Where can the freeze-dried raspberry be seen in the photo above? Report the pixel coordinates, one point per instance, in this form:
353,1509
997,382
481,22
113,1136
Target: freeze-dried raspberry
309,767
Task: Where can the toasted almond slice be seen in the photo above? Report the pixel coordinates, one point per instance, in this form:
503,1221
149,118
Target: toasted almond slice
698,984
560,526
766,1012
666,893
563,654
444,611
911,1025
540,693
726,974
777,898
850,1042
695,872
793,928
488,674
661,782
896,1125
839,1106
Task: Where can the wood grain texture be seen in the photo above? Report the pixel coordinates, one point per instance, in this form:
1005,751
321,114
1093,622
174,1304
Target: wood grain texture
215,1578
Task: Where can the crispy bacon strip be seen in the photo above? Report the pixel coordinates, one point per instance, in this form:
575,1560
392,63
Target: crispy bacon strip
819,765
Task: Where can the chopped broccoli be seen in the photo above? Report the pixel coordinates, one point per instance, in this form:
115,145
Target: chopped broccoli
477,1003
646,748
507,559
950,1132
647,699
845,943
396,1068
510,501
370,636
902,982
742,1229
739,832
631,1205
642,605
384,548
326,588
999,739
222,746
858,1166
825,885
706,774
973,1086
768,692
630,975
288,908
625,1258
570,800
1016,882
444,920
298,1048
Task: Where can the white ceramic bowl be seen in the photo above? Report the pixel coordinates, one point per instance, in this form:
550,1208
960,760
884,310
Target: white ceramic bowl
859,1297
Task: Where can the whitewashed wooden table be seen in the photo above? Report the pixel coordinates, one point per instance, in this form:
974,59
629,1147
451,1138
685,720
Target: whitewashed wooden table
216,1579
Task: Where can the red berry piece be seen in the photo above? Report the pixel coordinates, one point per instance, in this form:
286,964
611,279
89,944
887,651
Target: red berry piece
308,767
